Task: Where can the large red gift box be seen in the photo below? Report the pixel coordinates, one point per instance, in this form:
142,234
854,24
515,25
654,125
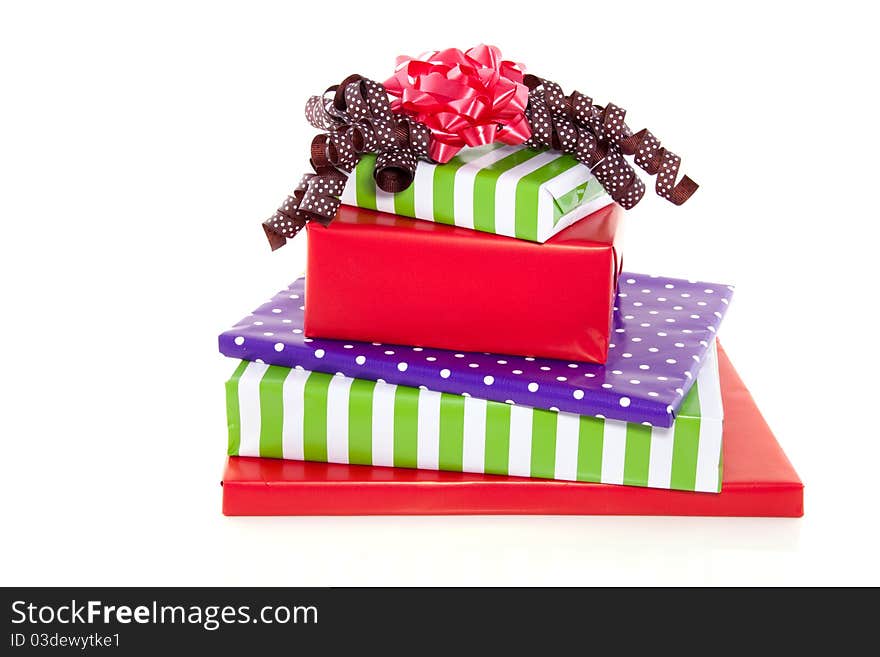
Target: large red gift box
758,480
377,277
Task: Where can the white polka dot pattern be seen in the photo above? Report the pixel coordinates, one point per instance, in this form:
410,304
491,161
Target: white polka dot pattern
395,168
599,138
358,119
651,368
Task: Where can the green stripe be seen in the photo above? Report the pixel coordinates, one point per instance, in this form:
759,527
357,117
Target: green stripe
484,187
451,432
444,182
527,194
684,449
365,185
591,436
406,427
690,407
360,422
272,411
637,456
543,444
405,202
497,438
233,413
581,194
315,416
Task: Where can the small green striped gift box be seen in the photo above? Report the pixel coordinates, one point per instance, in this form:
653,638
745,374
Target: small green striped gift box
507,190
279,412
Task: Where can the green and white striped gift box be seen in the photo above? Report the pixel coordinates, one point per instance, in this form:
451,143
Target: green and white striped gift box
507,190
279,412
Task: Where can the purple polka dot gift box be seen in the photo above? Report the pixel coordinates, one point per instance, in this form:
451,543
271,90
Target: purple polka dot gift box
661,332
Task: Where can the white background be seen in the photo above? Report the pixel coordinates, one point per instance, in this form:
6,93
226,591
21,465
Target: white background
141,146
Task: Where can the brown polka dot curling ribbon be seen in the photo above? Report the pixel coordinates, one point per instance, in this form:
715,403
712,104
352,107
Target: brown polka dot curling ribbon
598,137
357,118
466,98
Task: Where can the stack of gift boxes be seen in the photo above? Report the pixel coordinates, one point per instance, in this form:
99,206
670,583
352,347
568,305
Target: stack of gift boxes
473,332
505,343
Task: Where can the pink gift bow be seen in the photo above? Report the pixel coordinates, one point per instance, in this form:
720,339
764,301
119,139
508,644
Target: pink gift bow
470,98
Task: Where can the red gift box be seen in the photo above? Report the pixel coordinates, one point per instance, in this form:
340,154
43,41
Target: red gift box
758,481
377,277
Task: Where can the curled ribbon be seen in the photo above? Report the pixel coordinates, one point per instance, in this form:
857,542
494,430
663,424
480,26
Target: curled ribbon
451,99
598,137
358,119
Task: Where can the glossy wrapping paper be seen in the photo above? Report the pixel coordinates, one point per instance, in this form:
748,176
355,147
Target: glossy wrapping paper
662,330
376,277
758,481
505,190
279,412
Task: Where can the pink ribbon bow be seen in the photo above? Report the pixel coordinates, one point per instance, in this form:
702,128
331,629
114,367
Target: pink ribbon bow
467,98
